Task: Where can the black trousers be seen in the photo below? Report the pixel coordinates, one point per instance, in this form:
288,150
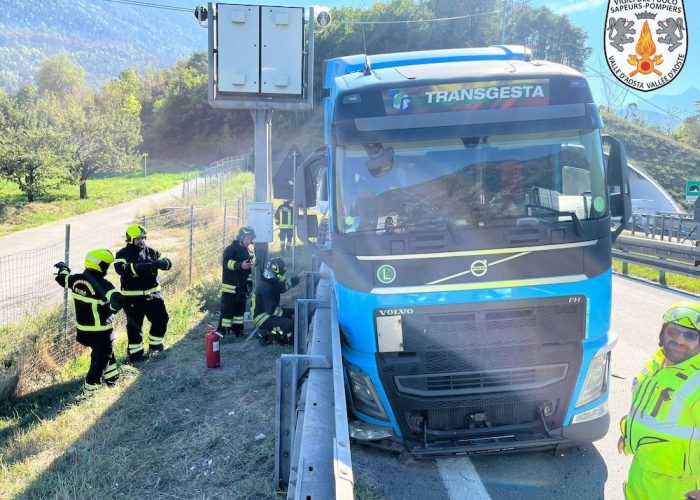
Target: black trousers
151,307
287,234
232,312
281,327
101,356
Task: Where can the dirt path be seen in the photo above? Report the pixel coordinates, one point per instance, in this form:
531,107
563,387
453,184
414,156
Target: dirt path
27,257
40,237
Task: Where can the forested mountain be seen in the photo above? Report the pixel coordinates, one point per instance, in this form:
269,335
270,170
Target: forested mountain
103,37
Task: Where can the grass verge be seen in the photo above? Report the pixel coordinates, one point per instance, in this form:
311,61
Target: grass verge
685,283
64,201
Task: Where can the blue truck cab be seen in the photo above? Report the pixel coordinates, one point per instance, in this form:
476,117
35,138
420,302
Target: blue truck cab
470,203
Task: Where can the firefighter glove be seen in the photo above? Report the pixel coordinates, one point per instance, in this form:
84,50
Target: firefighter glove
163,263
61,265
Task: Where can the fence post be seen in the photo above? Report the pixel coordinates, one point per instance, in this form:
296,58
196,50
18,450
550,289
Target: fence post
680,229
225,215
634,223
191,240
66,259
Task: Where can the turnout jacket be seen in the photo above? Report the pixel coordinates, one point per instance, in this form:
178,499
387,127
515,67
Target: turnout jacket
266,301
283,216
135,267
95,299
234,278
662,430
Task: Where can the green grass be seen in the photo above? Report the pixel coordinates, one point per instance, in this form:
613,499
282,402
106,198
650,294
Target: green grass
684,283
64,201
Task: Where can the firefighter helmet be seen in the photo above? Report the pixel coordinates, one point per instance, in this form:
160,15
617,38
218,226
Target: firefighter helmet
135,231
685,313
275,267
245,231
99,260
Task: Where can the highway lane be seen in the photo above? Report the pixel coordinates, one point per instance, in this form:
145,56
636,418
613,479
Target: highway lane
590,472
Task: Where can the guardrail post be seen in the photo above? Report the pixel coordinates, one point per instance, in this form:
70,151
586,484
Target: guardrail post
634,223
223,237
680,229
663,227
191,239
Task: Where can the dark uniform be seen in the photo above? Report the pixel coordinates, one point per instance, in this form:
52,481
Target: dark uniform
283,218
235,282
96,301
138,266
272,320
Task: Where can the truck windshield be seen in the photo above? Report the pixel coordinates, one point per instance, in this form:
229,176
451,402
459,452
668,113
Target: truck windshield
539,178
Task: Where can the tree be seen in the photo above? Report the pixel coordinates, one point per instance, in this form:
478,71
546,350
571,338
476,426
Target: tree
61,77
103,138
33,151
122,92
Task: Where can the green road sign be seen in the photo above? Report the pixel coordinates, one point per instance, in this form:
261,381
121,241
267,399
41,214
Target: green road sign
692,190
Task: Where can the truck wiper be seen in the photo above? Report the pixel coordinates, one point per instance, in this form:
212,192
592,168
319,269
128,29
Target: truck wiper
578,228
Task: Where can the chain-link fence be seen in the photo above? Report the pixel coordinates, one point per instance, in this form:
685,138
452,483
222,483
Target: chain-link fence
36,314
210,182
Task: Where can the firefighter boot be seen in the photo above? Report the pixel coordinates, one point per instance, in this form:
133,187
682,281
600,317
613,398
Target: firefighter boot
264,337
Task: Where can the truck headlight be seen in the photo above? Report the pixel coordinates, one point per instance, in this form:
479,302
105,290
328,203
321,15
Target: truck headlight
364,396
596,381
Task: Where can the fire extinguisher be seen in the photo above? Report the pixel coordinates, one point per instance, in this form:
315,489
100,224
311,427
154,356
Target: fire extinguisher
212,345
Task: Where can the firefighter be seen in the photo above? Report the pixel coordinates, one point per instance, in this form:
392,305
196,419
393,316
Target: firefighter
661,429
138,264
236,280
283,218
96,301
273,321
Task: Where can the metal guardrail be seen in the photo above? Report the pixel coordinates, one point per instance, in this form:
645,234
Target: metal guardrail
664,225
661,255
312,442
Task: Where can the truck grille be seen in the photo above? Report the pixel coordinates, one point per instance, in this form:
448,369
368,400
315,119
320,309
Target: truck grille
484,369
481,382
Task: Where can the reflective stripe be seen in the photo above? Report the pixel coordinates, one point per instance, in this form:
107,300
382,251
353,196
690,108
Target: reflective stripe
93,328
111,371
65,275
155,340
231,265
276,331
261,318
119,261
278,311
237,320
228,288
132,293
134,348
226,323
110,293
79,297
92,387
667,428
680,397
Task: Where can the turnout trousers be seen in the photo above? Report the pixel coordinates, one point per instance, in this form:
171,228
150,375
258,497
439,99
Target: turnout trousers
280,328
103,364
151,307
232,312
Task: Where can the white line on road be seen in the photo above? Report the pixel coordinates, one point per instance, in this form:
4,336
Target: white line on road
461,479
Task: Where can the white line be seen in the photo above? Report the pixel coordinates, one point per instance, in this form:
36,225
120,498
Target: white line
461,479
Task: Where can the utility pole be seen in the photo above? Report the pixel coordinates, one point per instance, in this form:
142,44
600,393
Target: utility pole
145,165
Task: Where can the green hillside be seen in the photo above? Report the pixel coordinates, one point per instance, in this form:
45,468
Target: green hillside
669,162
103,37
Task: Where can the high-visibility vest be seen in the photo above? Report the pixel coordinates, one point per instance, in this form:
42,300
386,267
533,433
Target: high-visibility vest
284,217
662,430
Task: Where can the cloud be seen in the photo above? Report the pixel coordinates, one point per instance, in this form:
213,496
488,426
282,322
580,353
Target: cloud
573,7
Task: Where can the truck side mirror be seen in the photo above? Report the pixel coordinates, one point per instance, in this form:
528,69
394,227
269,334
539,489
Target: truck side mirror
306,184
617,174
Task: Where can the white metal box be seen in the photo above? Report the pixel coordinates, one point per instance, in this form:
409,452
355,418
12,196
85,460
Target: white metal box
259,217
282,51
238,48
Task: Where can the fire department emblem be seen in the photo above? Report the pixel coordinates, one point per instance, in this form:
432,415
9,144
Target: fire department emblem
646,43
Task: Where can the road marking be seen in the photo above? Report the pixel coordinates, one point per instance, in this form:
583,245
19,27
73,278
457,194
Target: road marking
461,479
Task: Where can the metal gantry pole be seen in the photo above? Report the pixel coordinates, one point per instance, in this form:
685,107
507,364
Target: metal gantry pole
66,259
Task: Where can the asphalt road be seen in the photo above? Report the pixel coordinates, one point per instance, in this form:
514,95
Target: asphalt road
27,257
595,471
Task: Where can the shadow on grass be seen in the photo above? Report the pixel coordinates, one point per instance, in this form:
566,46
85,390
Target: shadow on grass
34,407
177,429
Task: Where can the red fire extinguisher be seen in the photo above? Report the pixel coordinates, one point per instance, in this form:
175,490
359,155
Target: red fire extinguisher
212,344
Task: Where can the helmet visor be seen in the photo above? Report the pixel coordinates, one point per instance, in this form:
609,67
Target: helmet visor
683,316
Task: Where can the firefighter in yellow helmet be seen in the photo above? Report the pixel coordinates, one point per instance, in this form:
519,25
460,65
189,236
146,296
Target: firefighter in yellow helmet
96,301
662,428
138,264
